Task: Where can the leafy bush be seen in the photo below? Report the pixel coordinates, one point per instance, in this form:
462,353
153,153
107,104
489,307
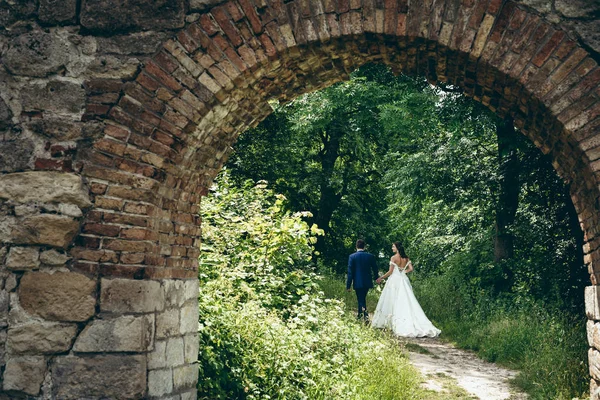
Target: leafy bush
267,332
262,251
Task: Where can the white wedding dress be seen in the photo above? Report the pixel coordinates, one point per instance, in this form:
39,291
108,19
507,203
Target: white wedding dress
399,310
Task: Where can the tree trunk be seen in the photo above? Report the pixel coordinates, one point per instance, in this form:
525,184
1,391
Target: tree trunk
329,199
508,197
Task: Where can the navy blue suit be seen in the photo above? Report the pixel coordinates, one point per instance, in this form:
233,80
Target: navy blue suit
362,270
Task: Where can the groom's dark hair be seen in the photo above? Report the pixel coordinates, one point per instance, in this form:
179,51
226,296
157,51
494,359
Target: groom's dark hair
360,244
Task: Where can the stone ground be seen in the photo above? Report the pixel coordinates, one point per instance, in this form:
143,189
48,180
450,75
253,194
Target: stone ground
441,362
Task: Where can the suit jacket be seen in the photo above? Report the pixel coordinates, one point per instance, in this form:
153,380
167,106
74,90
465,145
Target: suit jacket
362,270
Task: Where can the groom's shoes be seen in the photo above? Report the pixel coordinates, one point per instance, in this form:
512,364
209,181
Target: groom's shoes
364,318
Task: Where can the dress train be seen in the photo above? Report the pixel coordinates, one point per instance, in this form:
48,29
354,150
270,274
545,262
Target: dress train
399,310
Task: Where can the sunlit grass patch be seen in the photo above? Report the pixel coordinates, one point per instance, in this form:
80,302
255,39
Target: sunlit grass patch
415,348
446,388
334,288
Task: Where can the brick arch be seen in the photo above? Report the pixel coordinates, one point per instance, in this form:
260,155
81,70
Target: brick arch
162,134
184,110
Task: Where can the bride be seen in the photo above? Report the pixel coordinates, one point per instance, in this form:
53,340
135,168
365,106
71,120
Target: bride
398,308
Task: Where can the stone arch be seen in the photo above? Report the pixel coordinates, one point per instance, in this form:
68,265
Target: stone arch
107,154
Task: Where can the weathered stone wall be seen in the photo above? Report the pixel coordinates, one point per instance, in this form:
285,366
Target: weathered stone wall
76,319
117,114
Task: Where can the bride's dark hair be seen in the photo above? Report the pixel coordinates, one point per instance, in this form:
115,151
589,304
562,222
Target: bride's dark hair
400,249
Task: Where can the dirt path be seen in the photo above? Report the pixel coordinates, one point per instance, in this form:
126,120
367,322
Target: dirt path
440,361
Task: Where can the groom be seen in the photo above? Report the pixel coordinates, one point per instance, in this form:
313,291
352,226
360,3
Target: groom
362,270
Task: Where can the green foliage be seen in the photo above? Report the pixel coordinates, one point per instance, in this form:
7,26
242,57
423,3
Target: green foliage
392,158
440,180
325,153
549,257
250,240
443,192
267,332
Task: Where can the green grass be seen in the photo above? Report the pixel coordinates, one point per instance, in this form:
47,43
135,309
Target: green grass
415,348
334,288
450,390
248,352
548,349
333,359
